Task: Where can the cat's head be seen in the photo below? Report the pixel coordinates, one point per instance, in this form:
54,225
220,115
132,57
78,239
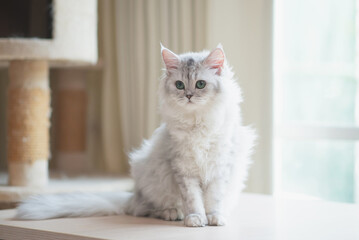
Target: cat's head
192,80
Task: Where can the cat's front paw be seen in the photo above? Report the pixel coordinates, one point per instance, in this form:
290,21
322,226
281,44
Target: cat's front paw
216,220
195,220
171,214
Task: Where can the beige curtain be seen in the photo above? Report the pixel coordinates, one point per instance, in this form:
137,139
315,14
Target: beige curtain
129,34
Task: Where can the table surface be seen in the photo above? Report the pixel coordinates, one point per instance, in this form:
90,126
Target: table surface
257,217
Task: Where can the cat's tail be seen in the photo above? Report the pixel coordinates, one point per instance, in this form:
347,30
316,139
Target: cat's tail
73,205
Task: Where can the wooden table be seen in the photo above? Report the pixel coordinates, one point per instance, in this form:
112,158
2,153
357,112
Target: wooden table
257,217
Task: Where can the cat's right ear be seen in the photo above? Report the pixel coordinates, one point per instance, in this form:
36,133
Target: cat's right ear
170,59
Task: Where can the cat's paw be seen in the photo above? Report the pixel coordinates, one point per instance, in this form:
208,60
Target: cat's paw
171,214
216,220
195,220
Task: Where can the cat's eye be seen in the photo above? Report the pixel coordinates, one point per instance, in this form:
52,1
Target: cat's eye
179,85
200,84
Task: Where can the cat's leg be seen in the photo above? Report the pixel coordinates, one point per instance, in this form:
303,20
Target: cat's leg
195,215
214,195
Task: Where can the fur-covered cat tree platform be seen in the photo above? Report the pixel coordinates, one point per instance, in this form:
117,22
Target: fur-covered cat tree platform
63,34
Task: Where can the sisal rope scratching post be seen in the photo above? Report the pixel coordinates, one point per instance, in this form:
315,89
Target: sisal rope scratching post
28,123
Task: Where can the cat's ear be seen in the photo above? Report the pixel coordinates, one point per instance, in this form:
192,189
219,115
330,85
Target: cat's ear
215,59
170,59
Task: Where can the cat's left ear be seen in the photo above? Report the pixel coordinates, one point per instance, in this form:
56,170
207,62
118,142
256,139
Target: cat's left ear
170,59
215,59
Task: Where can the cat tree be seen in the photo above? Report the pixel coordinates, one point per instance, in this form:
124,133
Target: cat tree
48,33
64,34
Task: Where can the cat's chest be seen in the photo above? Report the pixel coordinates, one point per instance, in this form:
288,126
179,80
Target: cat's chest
197,140
199,153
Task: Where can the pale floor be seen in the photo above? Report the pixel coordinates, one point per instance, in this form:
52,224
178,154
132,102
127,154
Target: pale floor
257,217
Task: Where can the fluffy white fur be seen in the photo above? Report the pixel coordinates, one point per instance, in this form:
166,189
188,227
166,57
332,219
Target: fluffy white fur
195,164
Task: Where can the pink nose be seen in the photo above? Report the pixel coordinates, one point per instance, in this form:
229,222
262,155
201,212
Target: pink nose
189,96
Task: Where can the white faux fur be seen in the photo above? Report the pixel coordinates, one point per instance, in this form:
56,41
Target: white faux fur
195,164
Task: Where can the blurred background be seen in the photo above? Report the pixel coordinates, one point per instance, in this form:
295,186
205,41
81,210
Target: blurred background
294,59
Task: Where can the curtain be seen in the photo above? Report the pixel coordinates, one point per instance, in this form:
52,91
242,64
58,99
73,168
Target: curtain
130,36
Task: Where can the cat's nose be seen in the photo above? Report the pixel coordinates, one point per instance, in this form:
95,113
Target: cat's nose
189,96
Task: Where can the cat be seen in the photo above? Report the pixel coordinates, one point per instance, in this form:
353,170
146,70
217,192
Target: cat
195,164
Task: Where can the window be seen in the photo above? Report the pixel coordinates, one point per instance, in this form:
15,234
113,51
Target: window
316,114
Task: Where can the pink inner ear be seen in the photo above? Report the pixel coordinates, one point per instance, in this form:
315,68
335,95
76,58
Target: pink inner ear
215,59
170,59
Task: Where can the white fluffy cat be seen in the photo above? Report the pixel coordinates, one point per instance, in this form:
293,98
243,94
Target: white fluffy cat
195,163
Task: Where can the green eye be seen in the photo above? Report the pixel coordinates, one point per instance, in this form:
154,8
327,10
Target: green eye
179,85
200,84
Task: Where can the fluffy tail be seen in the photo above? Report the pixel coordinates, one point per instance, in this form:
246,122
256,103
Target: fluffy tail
73,205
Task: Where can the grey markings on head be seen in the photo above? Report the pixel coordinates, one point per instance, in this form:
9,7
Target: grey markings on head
189,67
190,62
